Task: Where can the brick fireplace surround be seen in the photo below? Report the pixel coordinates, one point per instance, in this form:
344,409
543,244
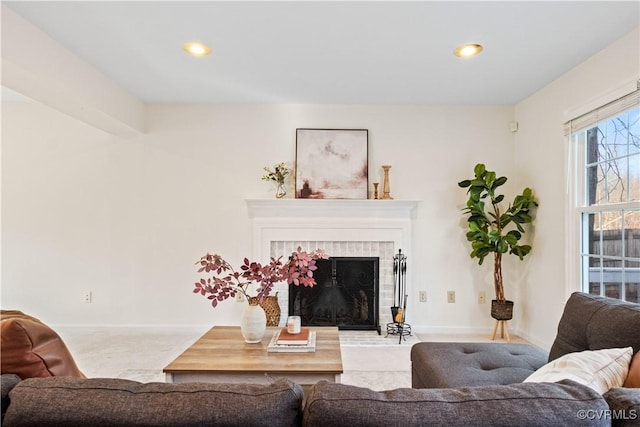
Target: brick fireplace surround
370,228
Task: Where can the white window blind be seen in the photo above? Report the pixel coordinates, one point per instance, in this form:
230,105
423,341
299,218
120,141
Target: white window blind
607,110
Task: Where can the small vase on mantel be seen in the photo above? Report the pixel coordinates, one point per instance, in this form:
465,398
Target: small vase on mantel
253,323
280,191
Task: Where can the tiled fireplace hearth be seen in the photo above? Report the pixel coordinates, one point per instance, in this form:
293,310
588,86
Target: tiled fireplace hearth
342,228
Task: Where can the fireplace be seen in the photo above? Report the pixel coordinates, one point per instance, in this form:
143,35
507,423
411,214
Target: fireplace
346,295
342,228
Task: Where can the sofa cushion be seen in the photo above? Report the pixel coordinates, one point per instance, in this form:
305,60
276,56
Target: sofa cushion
591,322
67,401
440,365
600,369
32,349
7,383
624,404
633,378
558,404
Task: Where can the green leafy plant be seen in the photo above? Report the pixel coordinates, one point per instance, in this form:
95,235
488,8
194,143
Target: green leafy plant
493,230
277,175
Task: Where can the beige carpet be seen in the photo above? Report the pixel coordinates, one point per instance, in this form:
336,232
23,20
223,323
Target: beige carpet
370,360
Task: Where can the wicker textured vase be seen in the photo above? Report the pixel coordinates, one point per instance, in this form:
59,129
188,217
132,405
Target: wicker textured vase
502,311
272,309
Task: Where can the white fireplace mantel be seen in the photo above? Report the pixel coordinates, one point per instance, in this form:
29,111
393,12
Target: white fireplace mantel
340,225
330,220
331,208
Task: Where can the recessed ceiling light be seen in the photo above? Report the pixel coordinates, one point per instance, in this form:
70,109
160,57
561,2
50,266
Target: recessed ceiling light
467,50
197,49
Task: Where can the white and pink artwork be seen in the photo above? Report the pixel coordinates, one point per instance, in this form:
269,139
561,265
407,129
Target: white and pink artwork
332,163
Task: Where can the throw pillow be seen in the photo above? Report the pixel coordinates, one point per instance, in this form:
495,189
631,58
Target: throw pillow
32,349
599,369
633,379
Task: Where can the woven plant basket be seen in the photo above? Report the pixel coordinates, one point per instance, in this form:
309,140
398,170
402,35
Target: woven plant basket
502,311
272,309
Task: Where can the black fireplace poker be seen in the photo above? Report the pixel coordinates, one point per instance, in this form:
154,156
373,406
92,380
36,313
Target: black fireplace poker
398,311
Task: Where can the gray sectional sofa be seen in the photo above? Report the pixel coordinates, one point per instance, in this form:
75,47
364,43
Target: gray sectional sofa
589,322
488,390
73,402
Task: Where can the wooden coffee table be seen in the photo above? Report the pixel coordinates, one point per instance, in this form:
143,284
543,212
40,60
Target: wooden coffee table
221,355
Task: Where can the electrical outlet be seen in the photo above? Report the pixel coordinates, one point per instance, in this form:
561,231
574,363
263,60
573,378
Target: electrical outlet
239,297
451,297
86,296
423,296
482,297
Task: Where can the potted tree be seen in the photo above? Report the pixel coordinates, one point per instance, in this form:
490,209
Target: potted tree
495,230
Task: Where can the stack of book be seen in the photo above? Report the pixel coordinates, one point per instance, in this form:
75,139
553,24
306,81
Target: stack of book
283,341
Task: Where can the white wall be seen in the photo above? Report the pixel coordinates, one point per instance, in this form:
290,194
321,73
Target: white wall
541,163
127,218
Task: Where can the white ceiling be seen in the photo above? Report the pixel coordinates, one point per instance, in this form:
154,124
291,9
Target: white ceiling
333,52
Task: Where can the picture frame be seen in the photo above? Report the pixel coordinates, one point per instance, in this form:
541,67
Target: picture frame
332,163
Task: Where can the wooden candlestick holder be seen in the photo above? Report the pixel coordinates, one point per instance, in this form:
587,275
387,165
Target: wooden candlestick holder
385,186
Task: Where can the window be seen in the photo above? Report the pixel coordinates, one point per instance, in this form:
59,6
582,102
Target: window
606,214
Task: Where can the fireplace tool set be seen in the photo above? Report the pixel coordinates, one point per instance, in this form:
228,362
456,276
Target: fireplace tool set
398,311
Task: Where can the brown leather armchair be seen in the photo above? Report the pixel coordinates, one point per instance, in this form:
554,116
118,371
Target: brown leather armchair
32,349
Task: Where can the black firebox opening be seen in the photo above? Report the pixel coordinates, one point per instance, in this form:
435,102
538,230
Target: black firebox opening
346,295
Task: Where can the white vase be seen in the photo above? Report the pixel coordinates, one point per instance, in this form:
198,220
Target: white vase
253,324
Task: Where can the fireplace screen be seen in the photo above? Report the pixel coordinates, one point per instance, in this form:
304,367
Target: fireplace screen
346,294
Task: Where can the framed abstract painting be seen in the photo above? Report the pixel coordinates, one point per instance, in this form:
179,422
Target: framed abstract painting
332,163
